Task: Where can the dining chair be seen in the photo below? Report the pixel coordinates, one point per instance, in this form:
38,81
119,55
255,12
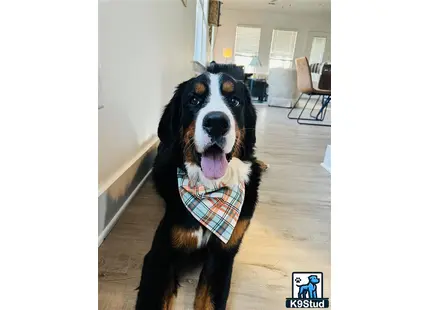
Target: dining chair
305,86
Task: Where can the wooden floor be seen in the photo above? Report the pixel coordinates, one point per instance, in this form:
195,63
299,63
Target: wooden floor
290,230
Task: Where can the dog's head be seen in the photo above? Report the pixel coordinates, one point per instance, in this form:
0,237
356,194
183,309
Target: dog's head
313,279
210,120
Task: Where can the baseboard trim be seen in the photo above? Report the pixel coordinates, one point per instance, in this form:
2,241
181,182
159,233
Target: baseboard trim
115,219
103,187
116,194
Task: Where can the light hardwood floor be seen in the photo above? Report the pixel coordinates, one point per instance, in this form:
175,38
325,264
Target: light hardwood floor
290,230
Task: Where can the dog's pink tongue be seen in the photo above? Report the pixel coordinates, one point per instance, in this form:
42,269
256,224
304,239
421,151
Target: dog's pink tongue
214,166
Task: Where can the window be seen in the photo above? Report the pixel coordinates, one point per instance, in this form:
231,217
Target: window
246,46
282,49
317,51
201,35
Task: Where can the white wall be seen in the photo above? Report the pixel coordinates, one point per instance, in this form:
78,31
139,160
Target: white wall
269,21
145,49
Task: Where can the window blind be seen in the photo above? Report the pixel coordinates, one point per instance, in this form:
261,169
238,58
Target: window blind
247,41
283,44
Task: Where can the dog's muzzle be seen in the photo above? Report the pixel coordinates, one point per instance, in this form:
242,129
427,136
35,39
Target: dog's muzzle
216,125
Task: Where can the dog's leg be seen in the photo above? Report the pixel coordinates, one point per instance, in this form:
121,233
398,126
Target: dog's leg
214,283
313,292
305,292
302,292
159,283
300,295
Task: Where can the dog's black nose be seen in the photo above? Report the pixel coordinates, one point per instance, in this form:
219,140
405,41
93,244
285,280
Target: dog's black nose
216,124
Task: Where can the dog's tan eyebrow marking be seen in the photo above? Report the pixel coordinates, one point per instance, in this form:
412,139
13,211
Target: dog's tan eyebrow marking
199,88
228,87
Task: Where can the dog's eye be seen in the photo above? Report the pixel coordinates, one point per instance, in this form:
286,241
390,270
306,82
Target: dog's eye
234,102
195,101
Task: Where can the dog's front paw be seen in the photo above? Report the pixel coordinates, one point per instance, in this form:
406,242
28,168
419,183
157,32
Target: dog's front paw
263,165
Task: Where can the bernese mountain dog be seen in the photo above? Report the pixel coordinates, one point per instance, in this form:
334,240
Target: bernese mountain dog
206,172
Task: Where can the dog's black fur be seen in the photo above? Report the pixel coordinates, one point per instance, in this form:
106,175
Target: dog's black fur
165,263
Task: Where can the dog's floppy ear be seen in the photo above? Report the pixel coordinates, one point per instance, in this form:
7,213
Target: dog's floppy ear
170,122
250,114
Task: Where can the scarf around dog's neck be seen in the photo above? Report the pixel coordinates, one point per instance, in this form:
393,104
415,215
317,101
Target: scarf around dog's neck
217,208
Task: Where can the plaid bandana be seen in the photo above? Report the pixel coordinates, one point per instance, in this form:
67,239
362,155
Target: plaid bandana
217,209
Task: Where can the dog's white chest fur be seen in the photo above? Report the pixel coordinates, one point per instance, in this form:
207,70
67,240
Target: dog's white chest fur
202,237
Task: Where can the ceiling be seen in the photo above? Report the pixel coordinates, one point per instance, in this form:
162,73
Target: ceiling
280,6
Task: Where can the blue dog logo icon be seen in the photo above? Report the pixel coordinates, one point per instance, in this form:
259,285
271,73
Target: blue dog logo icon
309,290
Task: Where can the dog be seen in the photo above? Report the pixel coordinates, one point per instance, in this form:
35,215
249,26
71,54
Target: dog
207,140
309,290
